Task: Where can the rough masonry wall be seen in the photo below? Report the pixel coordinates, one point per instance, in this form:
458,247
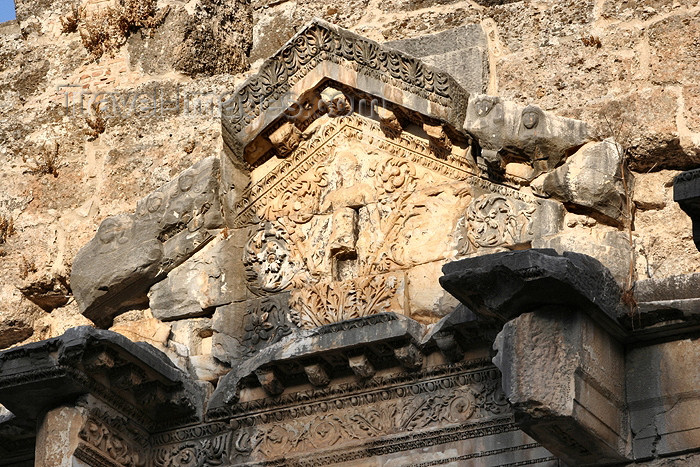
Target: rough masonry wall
629,69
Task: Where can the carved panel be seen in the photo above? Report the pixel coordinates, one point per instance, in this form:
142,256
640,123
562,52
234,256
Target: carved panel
351,208
385,414
111,441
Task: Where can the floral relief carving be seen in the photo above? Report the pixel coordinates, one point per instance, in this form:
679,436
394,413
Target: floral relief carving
493,220
198,453
265,321
329,302
457,405
99,435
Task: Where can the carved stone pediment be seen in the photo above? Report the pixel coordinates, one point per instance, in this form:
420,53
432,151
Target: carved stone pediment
342,221
322,51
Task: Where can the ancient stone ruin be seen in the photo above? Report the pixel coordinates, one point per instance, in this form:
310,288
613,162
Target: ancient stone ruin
385,265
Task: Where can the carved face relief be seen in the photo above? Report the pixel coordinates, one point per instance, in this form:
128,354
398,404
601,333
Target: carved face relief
267,260
530,117
483,106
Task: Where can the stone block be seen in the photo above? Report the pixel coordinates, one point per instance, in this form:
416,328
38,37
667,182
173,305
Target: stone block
662,382
592,180
130,252
462,52
192,333
564,376
428,301
609,246
198,286
503,129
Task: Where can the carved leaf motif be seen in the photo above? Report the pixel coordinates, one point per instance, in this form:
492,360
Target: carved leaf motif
320,39
329,302
272,75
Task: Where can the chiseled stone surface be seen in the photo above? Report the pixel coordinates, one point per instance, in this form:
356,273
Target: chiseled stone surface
564,376
593,179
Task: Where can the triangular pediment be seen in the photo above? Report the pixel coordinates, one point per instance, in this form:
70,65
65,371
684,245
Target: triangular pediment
322,52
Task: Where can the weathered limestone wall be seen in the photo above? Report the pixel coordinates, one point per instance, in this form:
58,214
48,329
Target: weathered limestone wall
629,69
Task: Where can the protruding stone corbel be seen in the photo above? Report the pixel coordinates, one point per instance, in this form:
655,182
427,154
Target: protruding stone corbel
285,139
438,137
409,356
269,381
317,374
389,121
449,346
335,102
361,366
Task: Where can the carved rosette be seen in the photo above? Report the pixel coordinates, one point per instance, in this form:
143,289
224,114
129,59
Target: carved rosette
265,321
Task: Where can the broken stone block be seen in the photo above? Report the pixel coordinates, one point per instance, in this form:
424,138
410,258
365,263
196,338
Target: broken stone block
504,129
130,252
207,368
564,377
462,52
191,333
593,180
609,246
195,287
428,300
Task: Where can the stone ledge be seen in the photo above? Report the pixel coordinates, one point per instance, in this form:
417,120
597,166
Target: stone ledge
135,378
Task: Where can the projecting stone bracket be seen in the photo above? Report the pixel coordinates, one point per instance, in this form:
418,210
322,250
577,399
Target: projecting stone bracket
355,347
686,192
134,377
559,349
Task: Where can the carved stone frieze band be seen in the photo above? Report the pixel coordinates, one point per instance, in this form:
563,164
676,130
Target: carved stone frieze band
463,400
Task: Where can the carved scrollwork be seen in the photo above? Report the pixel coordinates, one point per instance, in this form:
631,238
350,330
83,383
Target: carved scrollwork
101,436
493,220
200,453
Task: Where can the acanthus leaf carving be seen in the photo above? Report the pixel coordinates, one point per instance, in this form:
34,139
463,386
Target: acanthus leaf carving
329,302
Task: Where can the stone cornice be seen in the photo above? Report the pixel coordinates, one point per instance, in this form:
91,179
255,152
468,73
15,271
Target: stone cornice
322,51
